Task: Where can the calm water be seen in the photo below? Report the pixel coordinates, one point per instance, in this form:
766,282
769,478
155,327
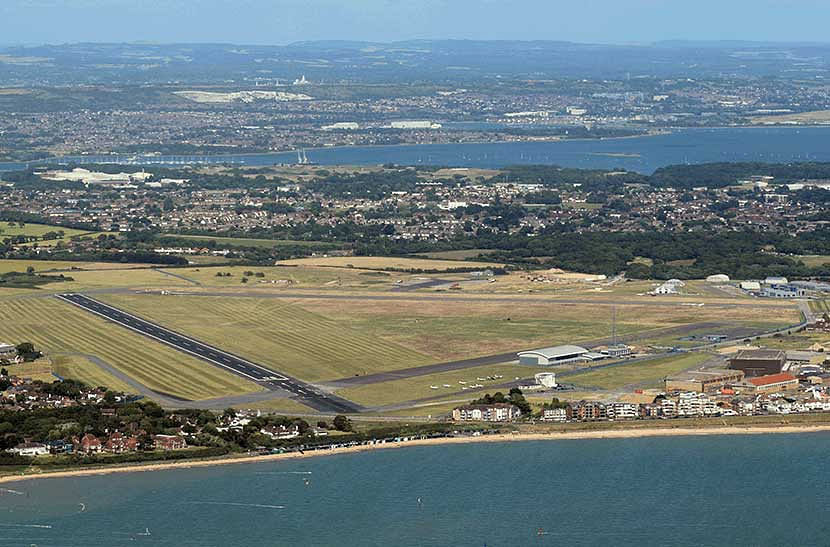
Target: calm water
643,154
730,490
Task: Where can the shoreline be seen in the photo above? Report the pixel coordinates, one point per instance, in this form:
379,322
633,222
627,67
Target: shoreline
496,438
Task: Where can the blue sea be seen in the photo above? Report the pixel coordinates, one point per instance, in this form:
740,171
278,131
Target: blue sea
642,154
704,490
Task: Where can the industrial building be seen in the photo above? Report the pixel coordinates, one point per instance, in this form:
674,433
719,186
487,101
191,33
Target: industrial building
8,353
772,383
703,381
546,379
415,124
669,287
758,362
718,278
783,291
619,350
341,126
556,355
804,358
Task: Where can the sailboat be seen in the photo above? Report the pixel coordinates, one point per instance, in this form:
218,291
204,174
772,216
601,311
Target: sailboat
302,158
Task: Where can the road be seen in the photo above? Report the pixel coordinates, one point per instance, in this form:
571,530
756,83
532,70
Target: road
274,381
177,276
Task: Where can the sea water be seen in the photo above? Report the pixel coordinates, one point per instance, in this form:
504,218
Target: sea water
641,154
698,490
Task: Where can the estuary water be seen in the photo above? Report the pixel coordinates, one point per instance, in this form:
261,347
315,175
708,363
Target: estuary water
642,154
704,490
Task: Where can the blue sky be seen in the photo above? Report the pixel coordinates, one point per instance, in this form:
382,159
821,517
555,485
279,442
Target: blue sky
284,21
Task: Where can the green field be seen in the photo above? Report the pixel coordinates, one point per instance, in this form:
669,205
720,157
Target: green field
280,405
55,326
252,242
652,371
83,370
37,370
457,329
819,306
275,333
39,230
90,275
287,277
814,260
456,255
420,387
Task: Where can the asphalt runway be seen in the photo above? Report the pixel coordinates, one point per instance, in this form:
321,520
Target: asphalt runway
274,381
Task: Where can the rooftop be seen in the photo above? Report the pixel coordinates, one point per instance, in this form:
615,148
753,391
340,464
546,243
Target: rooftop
556,352
761,354
771,379
704,374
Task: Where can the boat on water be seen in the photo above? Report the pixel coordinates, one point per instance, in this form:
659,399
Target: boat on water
302,158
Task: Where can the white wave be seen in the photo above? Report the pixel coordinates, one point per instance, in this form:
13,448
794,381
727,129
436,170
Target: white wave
26,525
10,491
260,505
283,472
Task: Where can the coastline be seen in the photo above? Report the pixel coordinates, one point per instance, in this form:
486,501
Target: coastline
499,438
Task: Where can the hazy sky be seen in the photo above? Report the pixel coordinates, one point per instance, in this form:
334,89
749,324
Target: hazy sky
284,21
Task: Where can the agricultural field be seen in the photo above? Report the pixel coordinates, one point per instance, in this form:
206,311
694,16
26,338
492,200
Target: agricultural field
386,263
57,327
434,385
814,260
649,372
275,333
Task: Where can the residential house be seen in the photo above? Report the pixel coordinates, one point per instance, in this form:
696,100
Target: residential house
89,444
169,442
30,449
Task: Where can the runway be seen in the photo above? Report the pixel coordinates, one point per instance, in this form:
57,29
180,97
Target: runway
274,381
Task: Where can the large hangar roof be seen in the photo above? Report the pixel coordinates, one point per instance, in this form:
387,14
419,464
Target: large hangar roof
556,352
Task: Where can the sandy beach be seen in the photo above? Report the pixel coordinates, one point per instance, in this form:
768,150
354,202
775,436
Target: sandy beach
501,438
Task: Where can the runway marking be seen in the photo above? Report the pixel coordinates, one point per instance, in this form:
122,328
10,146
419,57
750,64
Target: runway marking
239,365
144,331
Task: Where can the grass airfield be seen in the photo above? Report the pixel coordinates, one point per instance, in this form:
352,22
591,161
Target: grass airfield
324,320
